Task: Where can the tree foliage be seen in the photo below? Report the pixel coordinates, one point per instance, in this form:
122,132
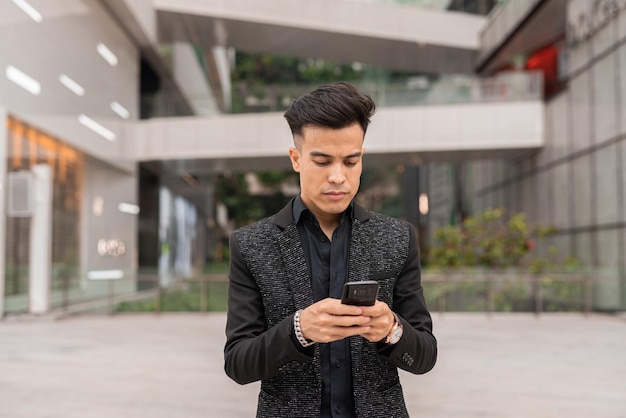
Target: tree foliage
232,191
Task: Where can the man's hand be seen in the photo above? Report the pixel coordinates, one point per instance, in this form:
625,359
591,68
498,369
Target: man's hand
381,321
329,320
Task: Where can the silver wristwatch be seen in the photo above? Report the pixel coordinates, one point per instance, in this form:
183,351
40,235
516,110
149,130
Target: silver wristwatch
396,331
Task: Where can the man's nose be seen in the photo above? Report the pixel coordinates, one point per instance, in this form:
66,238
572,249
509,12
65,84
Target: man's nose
336,174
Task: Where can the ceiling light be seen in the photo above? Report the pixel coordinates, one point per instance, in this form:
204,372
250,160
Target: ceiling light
29,10
107,54
129,208
72,85
96,127
23,80
121,111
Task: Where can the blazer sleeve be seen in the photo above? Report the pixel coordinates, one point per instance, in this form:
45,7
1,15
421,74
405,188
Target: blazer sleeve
416,352
252,351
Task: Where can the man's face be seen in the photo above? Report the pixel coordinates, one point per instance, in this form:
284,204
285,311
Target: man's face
330,163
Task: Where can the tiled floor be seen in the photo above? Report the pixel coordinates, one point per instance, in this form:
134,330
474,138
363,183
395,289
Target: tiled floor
171,365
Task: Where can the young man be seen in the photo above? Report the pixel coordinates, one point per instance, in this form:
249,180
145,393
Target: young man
287,327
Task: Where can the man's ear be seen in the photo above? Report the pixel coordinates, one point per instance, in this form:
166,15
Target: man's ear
294,156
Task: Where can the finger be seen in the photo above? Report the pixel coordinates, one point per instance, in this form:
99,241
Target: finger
334,307
350,320
338,308
376,310
338,333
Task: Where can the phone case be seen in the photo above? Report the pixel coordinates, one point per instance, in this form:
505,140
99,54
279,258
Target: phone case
363,293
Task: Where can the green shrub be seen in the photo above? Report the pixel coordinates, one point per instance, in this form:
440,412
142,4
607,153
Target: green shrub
493,245
487,241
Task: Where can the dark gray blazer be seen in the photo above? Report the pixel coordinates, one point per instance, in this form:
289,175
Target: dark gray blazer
269,281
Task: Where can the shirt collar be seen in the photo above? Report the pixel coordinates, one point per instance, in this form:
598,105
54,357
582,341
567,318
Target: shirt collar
299,209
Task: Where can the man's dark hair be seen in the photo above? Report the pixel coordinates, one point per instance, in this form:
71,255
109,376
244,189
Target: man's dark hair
333,105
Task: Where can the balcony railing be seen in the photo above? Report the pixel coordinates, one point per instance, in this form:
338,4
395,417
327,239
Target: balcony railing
413,91
417,91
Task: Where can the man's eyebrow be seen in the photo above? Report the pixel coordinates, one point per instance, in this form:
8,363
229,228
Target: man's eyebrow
324,155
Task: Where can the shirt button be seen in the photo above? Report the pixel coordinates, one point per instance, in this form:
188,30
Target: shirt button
337,363
338,410
323,238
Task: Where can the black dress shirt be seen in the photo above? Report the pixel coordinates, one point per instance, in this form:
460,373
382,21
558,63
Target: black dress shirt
327,261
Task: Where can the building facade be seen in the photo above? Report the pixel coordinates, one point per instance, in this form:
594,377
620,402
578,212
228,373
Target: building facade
577,181
72,81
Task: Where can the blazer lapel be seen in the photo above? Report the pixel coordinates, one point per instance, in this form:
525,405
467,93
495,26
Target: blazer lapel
293,259
358,265
358,269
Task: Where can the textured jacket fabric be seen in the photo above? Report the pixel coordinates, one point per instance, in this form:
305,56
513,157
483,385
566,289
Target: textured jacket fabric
269,281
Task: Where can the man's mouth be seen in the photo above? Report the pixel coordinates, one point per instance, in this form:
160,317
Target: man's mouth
335,194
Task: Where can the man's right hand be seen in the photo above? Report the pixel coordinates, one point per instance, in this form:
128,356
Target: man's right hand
329,320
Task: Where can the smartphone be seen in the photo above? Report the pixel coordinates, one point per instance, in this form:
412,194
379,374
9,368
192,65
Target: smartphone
360,293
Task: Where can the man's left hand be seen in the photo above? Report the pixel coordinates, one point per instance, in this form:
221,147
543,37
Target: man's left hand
382,319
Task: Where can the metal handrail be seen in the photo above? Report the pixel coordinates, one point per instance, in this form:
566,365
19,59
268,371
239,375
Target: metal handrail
110,300
491,278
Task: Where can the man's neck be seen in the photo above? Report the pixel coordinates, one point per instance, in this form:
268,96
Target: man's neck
329,227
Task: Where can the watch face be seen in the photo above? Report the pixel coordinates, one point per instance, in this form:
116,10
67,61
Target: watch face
395,335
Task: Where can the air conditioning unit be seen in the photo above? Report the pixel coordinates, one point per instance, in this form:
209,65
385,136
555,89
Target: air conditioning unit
21,194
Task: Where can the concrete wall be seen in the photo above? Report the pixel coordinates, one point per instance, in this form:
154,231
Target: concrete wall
415,129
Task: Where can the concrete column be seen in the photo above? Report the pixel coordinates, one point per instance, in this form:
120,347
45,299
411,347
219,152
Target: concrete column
40,263
3,171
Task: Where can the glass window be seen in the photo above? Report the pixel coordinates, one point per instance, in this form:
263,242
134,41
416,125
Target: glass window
27,147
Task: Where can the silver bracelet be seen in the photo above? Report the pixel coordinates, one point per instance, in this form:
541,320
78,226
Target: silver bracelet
298,330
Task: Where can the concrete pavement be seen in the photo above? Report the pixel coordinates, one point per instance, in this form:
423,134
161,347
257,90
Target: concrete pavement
170,365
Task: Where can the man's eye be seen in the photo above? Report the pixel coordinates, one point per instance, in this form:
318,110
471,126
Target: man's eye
321,163
351,163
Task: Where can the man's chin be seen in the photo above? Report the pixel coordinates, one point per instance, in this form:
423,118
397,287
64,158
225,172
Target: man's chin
337,207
